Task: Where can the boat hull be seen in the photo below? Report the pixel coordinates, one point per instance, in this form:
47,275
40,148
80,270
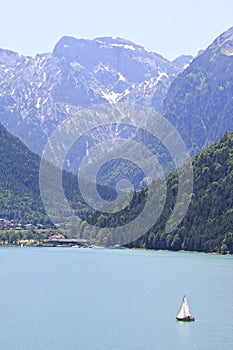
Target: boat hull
186,319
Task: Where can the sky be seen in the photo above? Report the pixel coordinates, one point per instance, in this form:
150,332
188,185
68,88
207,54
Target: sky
168,27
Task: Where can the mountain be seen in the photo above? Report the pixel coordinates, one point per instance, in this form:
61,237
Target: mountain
199,101
208,223
37,93
19,183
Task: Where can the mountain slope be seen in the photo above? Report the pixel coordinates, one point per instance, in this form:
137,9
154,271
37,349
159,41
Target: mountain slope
208,224
19,183
19,180
36,94
199,102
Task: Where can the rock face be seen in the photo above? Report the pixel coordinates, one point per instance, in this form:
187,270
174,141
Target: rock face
36,94
199,102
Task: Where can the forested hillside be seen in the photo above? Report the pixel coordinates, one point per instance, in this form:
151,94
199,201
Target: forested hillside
19,183
208,224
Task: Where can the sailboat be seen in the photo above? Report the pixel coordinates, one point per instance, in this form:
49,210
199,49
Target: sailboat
184,313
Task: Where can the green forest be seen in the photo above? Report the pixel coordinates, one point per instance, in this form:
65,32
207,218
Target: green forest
19,183
208,224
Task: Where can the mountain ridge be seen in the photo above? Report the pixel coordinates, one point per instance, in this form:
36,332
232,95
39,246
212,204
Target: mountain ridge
199,101
37,93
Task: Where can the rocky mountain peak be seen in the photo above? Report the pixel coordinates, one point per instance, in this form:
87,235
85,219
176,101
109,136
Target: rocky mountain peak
70,48
183,61
199,101
223,43
37,93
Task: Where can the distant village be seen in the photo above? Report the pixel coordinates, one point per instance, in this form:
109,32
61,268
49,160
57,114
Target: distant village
15,233
14,225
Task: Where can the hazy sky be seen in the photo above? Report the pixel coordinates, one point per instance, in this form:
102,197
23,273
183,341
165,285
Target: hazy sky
167,27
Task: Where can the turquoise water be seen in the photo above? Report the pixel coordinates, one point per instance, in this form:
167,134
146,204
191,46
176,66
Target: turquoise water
99,299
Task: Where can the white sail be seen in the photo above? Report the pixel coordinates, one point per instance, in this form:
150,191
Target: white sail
184,309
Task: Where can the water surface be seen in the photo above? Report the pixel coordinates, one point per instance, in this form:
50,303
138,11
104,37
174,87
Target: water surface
102,299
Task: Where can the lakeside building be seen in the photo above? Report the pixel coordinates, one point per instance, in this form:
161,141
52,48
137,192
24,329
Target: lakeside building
66,242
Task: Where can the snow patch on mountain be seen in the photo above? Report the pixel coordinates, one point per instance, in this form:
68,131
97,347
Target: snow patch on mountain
121,77
227,52
112,97
127,47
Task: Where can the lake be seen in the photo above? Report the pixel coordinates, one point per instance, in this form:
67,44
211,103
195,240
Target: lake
103,299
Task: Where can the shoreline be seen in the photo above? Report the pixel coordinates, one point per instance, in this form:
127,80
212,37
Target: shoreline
110,248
